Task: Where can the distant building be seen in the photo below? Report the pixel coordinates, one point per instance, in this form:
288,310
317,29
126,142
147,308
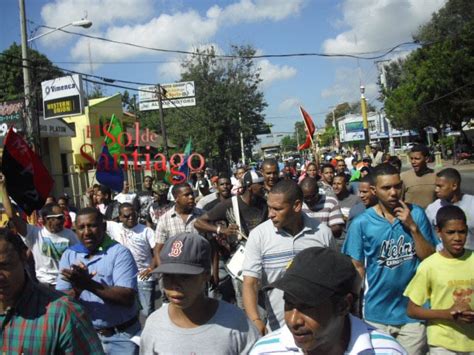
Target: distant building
351,130
269,145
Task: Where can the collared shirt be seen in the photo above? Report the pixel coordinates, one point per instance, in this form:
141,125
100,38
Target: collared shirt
364,340
171,224
47,322
269,251
114,266
47,249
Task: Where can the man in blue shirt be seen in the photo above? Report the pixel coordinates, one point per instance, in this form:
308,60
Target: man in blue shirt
386,244
102,275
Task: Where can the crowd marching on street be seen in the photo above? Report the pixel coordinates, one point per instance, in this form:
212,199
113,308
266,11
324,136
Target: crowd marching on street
348,256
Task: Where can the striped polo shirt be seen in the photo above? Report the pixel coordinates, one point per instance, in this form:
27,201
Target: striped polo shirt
365,340
269,251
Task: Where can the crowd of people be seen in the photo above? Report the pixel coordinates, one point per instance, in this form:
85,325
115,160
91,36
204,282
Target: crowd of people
349,256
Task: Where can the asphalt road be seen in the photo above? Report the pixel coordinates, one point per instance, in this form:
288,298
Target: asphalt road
467,184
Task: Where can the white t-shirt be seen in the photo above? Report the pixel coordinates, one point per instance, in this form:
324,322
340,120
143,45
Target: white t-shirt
140,240
122,198
466,204
47,249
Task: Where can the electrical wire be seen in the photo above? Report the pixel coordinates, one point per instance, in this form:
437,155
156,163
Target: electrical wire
228,56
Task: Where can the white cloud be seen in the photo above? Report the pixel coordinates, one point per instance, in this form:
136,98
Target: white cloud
255,10
132,21
347,86
178,31
100,12
172,70
289,104
270,72
379,24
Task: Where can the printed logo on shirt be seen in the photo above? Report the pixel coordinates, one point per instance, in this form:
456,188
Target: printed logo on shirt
394,253
52,249
176,249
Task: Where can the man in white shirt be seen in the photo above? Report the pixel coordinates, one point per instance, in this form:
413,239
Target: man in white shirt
125,195
140,240
448,192
273,244
47,243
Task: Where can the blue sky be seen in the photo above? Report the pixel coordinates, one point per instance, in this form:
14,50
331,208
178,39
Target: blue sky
270,26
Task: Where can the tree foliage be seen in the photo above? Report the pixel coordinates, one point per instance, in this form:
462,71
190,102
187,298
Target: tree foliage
11,73
343,109
288,144
434,85
224,90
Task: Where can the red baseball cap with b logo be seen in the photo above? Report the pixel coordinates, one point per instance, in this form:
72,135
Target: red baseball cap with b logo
185,253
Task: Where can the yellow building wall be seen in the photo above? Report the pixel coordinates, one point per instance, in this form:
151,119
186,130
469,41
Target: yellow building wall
89,128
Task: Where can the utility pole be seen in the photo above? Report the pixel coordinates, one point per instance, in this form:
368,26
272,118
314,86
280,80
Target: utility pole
241,139
363,108
162,92
383,81
30,131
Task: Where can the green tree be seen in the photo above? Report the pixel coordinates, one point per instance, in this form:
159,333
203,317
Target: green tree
327,137
11,73
434,85
343,109
224,90
288,144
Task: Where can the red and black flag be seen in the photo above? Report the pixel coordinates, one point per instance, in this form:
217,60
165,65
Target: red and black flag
309,128
28,181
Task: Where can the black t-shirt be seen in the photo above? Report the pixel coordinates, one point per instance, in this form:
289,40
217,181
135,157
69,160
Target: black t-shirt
250,216
142,204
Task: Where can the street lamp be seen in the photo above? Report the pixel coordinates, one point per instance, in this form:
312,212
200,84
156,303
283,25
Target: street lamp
84,23
31,118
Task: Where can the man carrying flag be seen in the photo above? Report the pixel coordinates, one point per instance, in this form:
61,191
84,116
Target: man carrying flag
28,182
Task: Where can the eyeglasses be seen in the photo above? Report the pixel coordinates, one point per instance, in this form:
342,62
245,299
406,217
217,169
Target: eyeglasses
127,216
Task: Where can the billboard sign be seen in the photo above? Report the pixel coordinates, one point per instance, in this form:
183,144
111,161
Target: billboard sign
63,97
176,95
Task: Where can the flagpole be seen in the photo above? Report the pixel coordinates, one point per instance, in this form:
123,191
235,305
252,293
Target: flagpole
315,152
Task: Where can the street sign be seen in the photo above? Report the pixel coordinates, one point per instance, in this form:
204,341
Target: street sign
175,95
62,97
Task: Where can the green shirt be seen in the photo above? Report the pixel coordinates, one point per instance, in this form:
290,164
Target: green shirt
47,322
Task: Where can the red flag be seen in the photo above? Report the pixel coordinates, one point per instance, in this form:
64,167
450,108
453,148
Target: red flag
28,181
309,128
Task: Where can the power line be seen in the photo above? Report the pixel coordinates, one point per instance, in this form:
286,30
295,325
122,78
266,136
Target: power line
228,56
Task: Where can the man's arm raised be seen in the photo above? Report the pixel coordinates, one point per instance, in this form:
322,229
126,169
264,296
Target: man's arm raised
20,224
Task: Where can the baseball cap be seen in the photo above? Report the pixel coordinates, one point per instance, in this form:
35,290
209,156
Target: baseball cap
316,274
252,177
185,253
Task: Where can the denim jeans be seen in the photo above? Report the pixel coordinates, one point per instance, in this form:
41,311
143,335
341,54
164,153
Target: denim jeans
120,343
146,296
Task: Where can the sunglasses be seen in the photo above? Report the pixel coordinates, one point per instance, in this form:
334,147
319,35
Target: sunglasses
55,216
